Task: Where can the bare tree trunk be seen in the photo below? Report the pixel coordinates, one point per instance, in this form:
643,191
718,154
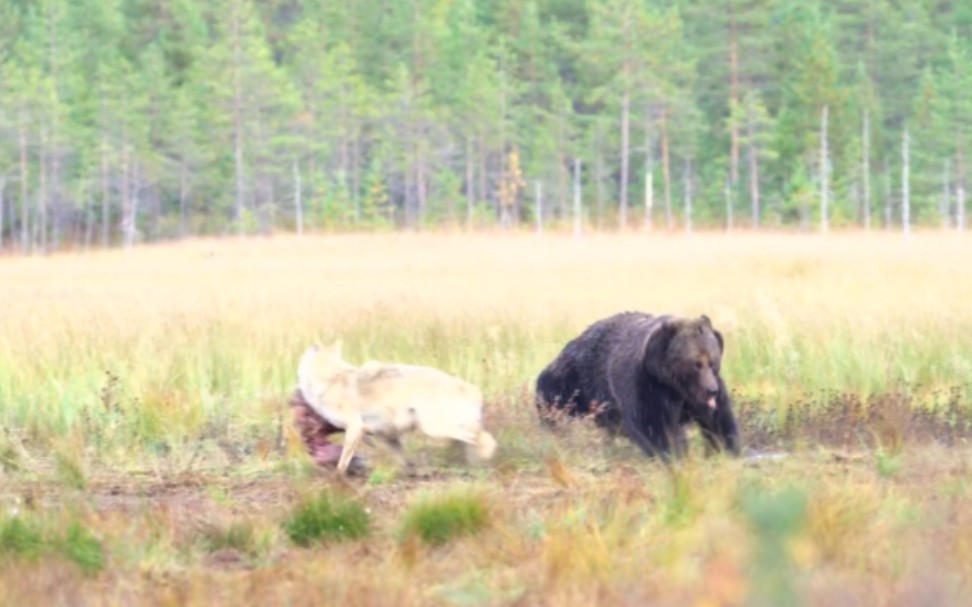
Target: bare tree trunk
24,190
238,140
728,187
183,199
577,197
753,173
539,207
960,207
960,192
104,195
312,184
824,172
345,159
52,192
649,170
409,172
855,198
3,185
130,183
298,205
420,184
649,199
623,189
469,182
946,206
906,183
126,197
55,190
563,166
733,94
866,170
271,205
599,178
687,192
501,207
42,194
89,217
887,194
356,175
666,170
482,168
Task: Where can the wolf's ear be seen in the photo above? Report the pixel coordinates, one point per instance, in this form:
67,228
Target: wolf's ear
722,344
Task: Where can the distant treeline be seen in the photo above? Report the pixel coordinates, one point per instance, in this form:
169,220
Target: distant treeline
128,120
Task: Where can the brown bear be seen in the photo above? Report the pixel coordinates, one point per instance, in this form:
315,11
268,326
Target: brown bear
646,376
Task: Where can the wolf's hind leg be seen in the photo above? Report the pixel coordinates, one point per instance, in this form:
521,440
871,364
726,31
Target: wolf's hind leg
395,442
353,434
480,450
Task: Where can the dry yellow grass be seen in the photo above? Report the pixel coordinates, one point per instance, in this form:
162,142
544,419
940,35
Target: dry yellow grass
147,391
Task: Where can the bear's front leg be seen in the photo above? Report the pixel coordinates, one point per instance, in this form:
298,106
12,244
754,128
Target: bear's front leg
719,427
657,432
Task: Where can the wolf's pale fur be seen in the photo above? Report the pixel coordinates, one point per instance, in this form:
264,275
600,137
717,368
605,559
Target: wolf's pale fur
387,400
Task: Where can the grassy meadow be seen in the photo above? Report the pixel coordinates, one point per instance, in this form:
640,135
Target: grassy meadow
147,454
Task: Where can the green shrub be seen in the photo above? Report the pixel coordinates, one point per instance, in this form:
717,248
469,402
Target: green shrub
439,519
82,548
326,518
20,538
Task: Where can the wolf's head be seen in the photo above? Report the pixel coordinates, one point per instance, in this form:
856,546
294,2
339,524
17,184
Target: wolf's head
320,363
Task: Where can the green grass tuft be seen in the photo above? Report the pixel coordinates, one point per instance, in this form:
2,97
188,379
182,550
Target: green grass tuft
326,518
439,519
70,470
237,536
24,538
20,538
82,548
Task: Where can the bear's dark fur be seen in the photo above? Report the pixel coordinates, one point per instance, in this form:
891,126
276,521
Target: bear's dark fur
647,376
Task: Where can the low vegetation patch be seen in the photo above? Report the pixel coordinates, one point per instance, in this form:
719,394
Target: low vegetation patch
326,518
28,538
439,519
238,535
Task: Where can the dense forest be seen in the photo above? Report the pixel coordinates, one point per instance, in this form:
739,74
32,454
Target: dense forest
139,120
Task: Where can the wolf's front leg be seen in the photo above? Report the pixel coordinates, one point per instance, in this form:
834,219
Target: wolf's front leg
353,433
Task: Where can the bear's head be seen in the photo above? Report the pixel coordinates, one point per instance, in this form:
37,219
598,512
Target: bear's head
687,354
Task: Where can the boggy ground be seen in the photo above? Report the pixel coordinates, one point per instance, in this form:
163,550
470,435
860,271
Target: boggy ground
572,519
146,454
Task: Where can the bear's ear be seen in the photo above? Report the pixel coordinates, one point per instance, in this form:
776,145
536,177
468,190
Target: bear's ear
707,324
659,341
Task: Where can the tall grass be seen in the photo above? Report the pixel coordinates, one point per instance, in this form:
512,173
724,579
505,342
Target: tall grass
171,343
189,351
